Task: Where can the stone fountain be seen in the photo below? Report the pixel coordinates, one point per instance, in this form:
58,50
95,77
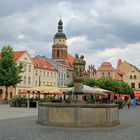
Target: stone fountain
78,113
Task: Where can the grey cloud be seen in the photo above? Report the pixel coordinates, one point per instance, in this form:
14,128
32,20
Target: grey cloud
105,23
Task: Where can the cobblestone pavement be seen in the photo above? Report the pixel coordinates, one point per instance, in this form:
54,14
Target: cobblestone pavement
7,112
27,128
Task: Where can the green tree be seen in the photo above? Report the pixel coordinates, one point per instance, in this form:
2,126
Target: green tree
90,82
115,85
70,84
9,70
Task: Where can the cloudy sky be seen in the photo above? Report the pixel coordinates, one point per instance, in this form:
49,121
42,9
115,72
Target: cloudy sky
102,30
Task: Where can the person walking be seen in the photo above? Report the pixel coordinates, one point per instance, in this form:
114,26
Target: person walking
134,102
128,103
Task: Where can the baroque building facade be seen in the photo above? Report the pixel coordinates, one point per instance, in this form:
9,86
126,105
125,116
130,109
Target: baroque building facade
106,70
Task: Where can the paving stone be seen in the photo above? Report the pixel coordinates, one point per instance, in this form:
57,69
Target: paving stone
27,128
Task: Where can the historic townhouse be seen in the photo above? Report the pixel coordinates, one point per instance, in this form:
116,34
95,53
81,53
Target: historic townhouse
28,67
27,76
106,70
61,68
36,72
44,73
131,74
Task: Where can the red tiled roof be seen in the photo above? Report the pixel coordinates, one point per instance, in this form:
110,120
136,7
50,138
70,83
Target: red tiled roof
39,63
70,58
18,54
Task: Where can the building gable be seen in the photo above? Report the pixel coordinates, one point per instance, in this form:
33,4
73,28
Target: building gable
25,58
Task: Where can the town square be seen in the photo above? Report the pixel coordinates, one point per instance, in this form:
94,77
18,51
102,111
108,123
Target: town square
69,70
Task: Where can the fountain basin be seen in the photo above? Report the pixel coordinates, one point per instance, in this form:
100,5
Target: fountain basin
78,115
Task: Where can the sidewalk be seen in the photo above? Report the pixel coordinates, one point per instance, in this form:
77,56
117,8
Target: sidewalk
7,112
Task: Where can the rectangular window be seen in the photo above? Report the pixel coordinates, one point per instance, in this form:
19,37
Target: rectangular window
36,72
47,74
133,85
29,80
29,68
35,83
24,81
54,75
44,83
139,85
24,67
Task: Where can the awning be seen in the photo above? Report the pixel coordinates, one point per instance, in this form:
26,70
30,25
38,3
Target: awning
137,93
120,95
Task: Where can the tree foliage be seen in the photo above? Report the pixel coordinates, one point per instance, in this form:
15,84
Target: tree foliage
9,70
70,84
117,86
90,82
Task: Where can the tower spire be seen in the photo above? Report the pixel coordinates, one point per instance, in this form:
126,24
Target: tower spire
60,26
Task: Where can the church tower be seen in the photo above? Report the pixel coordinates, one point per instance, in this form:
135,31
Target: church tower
59,47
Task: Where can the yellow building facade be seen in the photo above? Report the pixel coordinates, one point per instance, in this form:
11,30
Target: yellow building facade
35,73
131,75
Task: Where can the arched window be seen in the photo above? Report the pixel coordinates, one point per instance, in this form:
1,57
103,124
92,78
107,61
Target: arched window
58,53
103,74
108,74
